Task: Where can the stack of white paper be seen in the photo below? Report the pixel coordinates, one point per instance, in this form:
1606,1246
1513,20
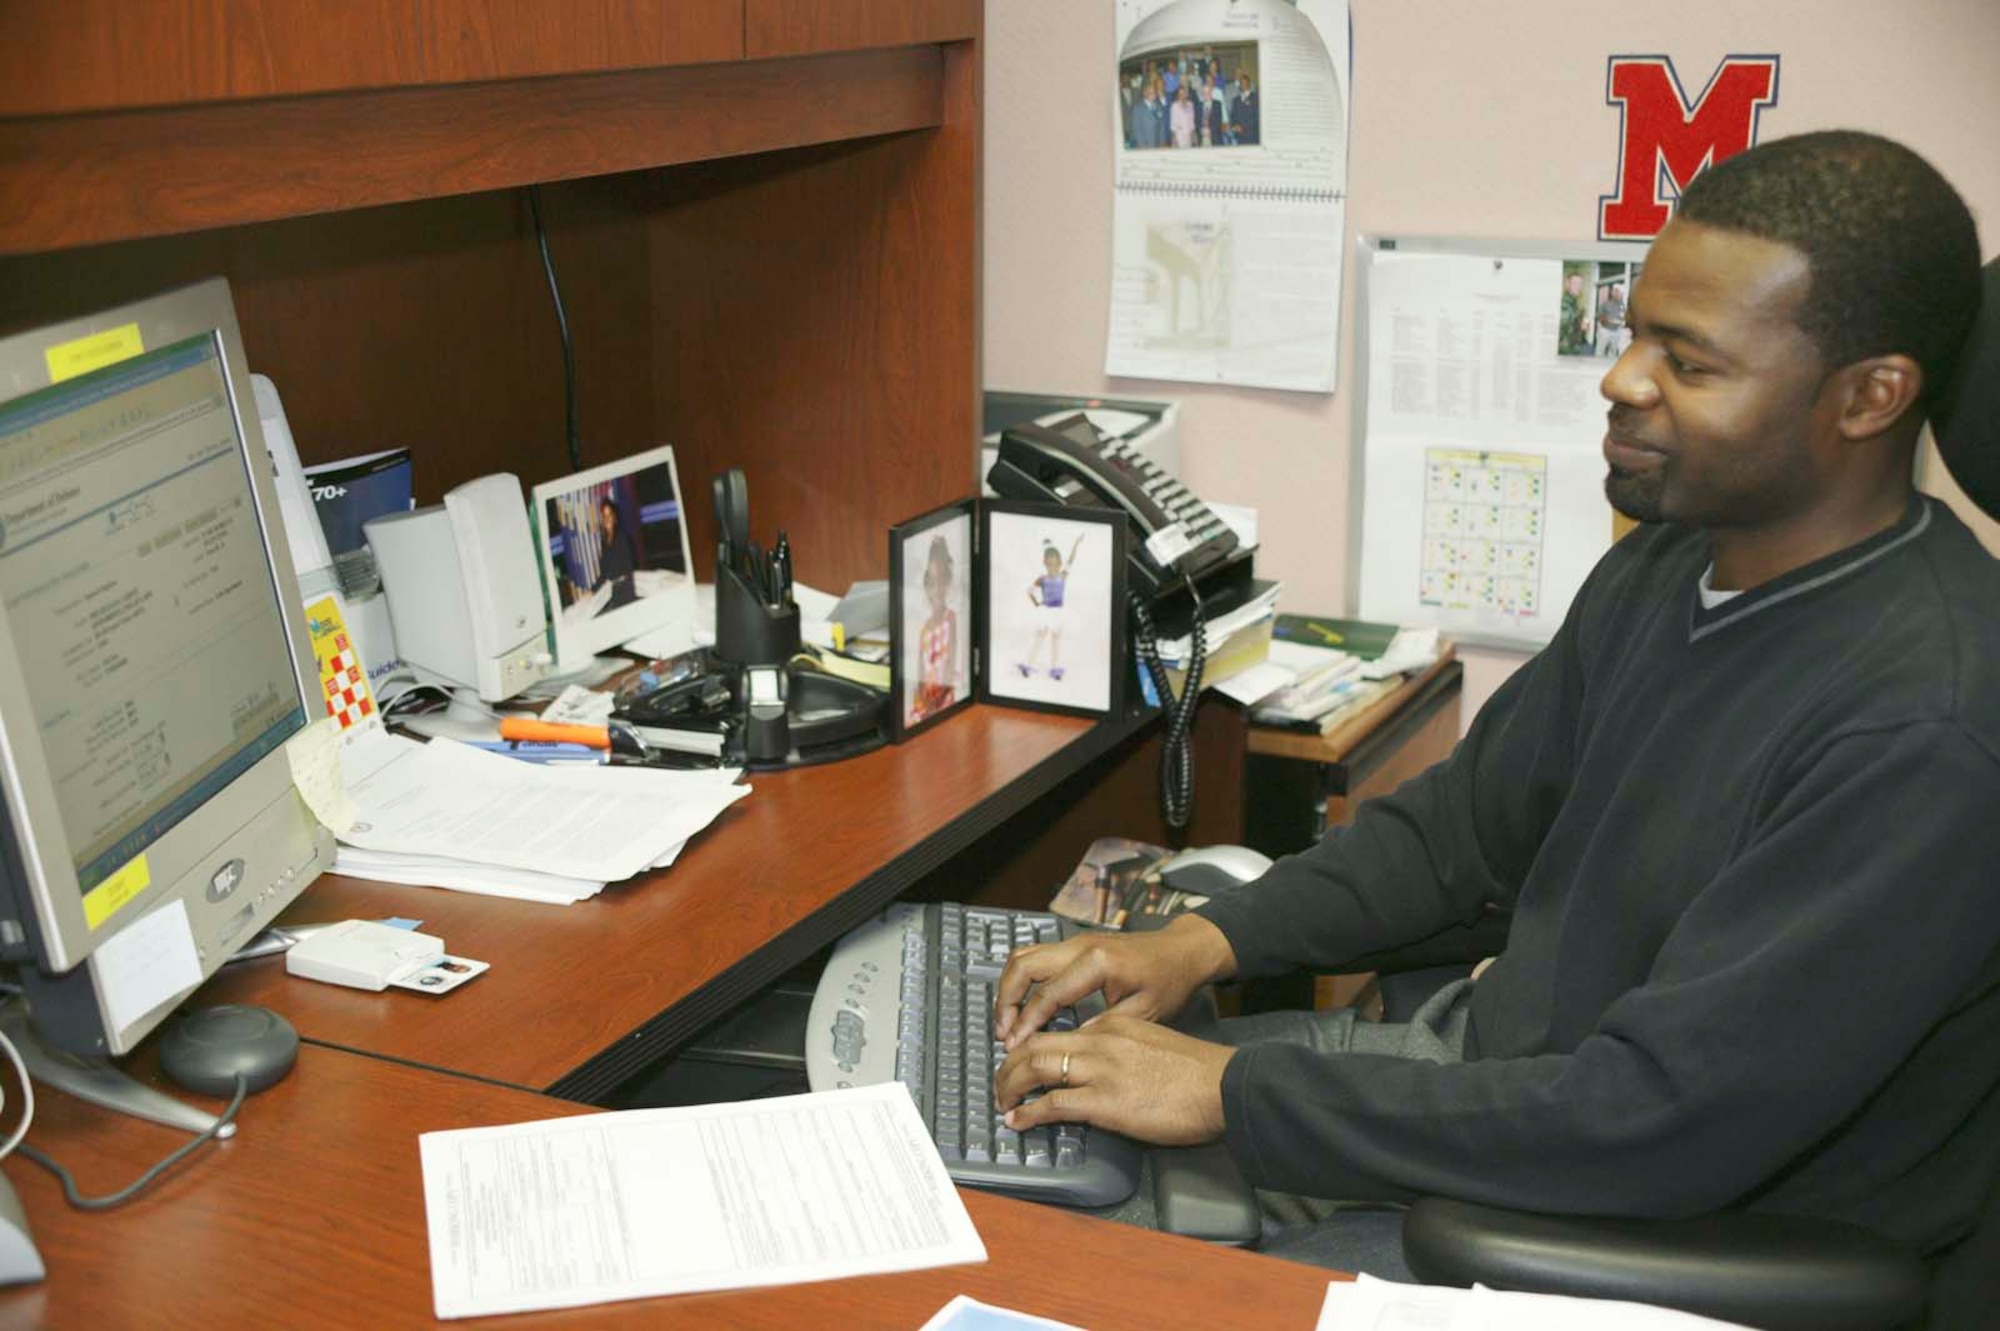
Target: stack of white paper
1295,674
443,814
575,1211
1174,651
1409,651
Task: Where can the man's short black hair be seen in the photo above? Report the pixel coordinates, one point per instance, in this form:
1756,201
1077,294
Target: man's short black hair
1892,247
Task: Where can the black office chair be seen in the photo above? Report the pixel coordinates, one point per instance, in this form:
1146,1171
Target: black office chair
1779,1272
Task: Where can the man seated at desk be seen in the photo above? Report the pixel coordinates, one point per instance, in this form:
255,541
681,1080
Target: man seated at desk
1745,808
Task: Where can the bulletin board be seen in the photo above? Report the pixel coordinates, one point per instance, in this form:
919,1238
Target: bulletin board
1478,486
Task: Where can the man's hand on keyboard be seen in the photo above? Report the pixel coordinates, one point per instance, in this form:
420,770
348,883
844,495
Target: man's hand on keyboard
1147,1081
1150,976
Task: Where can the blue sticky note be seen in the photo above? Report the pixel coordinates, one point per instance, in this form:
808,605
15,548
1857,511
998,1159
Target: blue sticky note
1146,689
398,922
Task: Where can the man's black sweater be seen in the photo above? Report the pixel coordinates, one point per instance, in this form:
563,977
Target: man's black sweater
1753,858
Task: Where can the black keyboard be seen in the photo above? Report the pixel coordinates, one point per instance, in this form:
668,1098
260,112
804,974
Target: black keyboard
909,997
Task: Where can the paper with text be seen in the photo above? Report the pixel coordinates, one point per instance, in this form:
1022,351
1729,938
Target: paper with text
597,823
1482,507
146,963
574,1211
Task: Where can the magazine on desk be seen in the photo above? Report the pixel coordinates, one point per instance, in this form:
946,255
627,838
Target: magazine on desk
349,493
1118,880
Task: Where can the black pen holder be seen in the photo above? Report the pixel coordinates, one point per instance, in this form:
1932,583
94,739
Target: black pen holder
747,631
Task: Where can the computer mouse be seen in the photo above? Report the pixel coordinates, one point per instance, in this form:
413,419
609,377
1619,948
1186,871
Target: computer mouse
1213,870
208,1048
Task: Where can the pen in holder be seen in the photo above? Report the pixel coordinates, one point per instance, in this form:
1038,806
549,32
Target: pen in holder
756,619
790,715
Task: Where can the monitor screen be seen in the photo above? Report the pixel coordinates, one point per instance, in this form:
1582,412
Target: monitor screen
154,666
140,600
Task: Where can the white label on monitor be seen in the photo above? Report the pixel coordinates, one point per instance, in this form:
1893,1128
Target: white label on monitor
147,963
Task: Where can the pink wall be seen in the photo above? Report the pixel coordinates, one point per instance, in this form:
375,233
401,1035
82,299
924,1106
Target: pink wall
1469,119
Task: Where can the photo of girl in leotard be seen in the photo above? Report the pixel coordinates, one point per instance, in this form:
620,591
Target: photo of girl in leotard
1055,610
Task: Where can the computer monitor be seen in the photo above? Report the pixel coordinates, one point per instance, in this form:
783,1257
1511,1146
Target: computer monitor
153,664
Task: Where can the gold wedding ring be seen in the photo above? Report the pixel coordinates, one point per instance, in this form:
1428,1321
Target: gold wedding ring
1063,1080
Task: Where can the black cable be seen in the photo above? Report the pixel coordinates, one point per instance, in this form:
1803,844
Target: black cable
562,326
127,1193
1177,746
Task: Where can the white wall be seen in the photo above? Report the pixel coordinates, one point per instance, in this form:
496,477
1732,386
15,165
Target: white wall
1469,118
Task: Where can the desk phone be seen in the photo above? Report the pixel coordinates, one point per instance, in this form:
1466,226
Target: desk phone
1175,533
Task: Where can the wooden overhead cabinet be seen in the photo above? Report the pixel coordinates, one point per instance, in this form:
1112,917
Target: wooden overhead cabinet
763,213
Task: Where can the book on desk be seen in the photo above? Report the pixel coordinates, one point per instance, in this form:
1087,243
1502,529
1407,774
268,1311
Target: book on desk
1338,668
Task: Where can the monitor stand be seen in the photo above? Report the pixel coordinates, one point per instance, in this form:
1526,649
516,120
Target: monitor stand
98,1081
20,1262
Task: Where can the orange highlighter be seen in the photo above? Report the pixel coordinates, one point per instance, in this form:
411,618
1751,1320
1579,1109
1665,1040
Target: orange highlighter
554,732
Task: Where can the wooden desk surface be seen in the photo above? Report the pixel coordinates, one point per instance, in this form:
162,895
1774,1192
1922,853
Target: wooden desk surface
582,996
313,1216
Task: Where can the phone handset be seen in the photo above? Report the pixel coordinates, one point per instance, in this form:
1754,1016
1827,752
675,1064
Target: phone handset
1175,534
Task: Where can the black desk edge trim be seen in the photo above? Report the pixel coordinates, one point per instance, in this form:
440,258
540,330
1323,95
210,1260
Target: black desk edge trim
419,1065
664,1034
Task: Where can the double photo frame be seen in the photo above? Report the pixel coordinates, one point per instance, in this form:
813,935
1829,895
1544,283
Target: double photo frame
1004,602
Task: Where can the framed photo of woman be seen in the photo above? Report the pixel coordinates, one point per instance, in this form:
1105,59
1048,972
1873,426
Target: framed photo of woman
1052,623
931,616
614,555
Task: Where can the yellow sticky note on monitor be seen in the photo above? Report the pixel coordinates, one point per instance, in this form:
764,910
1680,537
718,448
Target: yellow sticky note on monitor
343,680
112,895
66,360
314,757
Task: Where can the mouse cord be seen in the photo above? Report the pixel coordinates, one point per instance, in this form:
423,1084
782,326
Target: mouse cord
127,1193
27,1096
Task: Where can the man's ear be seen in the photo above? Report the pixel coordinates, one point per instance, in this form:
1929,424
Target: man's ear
1876,392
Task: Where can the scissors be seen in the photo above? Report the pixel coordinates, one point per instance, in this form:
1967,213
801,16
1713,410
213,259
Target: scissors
732,514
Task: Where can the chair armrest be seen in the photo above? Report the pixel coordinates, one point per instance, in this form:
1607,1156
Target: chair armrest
1771,1271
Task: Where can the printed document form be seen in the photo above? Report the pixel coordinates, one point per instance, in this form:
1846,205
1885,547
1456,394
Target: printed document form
574,1211
450,815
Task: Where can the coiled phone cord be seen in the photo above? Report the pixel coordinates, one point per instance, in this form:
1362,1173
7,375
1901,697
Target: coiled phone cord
1177,747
